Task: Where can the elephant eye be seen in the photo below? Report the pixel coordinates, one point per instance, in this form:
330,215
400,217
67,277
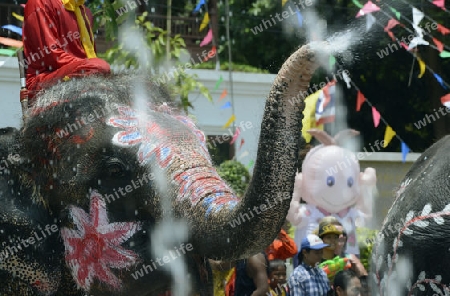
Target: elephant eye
350,181
115,168
330,181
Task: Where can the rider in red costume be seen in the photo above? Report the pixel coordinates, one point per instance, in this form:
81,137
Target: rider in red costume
58,43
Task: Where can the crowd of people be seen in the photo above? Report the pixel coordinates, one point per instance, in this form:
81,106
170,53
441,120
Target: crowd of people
321,267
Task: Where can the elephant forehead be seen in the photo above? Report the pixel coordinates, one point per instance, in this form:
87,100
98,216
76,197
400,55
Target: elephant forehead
163,135
154,127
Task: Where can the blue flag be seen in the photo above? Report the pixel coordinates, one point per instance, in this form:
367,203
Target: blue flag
300,18
13,28
440,80
405,151
200,3
226,105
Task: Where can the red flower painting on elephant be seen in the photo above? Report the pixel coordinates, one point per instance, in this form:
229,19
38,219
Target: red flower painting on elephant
95,246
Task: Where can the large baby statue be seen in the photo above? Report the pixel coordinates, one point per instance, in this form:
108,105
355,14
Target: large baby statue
331,184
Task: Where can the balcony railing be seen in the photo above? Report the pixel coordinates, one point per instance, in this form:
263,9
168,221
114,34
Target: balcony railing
187,27
7,18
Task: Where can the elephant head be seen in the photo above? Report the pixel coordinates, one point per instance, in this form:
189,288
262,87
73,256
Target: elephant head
411,252
101,167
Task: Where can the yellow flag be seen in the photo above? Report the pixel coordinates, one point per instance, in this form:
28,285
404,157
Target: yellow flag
283,2
205,22
422,67
232,118
309,116
19,17
388,135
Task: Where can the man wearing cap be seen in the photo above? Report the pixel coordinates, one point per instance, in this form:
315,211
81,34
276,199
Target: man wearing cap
329,231
308,278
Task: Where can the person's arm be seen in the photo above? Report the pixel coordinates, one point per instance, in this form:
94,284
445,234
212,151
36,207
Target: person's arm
41,31
257,270
357,266
221,265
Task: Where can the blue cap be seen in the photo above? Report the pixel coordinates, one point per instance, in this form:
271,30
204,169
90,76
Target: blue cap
313,242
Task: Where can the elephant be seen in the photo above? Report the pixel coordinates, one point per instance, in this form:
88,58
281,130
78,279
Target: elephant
104,161
411,252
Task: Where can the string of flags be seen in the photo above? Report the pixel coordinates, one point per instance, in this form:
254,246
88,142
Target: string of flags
418,16
232,118
320,109
206,22
10,41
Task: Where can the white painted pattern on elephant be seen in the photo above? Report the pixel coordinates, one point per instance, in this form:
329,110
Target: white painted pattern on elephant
411,219
94,247
403,187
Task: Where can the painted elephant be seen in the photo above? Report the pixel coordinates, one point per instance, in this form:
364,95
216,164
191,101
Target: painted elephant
89,179
411,253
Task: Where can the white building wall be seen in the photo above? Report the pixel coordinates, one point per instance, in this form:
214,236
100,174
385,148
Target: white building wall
10,110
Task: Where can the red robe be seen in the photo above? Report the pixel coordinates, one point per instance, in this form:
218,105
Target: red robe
52,45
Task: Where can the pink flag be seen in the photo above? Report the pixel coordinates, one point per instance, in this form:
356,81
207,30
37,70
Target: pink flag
369,7
236,134
439,44
223,95
242,143
11,42
360,99
391,24
439,3
207,39
442,29
376,116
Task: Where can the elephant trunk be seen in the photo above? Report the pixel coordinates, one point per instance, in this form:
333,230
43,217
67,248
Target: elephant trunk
226,228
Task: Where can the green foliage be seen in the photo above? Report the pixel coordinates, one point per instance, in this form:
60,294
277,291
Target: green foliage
236,67
236,175
155,42
366,238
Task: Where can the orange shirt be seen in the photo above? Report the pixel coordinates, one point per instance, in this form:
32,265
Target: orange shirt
283,247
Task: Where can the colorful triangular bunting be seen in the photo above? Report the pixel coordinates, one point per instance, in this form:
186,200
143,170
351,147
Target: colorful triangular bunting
388,135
